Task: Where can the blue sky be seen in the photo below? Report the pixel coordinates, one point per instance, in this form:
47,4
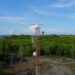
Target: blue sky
56,16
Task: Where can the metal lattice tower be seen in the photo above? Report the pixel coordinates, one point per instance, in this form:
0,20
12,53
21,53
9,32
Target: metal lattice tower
37,46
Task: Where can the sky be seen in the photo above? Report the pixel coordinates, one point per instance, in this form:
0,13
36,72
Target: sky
21,16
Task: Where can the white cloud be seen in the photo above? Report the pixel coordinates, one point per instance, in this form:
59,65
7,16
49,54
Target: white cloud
13,19
43,12
56,15
63,3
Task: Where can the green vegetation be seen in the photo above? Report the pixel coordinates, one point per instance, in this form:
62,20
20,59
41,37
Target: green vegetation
51,45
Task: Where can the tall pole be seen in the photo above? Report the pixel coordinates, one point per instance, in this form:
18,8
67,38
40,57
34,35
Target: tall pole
37,46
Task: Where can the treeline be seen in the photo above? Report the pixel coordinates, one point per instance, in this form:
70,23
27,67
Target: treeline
16,47
58,45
